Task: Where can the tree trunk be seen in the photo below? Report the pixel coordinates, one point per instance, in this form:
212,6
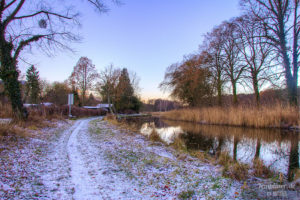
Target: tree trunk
10,75
256,90
289,77
109,106
293,159
235,99
291,88
219,89
83,97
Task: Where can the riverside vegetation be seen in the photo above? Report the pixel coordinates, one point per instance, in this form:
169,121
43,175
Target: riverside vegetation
263,117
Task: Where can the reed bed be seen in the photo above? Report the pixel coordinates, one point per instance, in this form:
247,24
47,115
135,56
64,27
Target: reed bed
264,117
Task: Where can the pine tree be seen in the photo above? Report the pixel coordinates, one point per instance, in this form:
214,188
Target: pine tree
125,99
32,85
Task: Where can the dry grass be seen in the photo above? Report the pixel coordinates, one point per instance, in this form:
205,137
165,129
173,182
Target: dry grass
5,111
224,159
12,129
154,137
38,118
238,171
264,117
203,156
233,169
128,128
179,145
260,170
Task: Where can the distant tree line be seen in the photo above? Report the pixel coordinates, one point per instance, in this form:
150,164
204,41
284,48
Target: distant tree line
112,85
258,48
160,105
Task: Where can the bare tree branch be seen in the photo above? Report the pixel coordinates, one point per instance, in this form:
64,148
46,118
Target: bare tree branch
13,14
43,12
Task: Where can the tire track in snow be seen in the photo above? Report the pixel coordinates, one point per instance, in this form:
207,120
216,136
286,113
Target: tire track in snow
84,188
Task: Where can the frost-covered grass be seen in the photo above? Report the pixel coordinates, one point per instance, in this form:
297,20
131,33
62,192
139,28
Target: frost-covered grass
154,164
156,170
22,158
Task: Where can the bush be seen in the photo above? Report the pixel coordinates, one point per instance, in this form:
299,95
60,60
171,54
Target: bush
50,112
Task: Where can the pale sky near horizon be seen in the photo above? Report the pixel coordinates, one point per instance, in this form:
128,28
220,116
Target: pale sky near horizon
145,36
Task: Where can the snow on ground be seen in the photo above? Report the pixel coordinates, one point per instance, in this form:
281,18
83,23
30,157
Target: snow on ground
91,159
5,120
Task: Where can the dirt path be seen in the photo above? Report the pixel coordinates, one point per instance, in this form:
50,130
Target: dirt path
95,160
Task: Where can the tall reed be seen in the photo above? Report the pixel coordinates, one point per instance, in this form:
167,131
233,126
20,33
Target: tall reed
263,117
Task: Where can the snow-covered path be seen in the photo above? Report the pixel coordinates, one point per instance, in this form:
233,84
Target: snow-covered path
84,186
70,174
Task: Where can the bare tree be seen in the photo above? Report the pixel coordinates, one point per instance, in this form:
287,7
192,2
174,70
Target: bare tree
233,67
108,80
24,24
281,29
256,53
135,81
213,46
83,76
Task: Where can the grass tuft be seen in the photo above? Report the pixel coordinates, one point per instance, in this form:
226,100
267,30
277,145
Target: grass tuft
238,171
260,170
154,136
186,194
224,159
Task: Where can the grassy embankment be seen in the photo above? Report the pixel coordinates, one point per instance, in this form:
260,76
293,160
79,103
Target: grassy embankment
264,117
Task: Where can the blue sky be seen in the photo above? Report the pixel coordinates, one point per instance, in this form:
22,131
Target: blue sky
145,36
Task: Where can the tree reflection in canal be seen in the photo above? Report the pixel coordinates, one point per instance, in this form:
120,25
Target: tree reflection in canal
276,148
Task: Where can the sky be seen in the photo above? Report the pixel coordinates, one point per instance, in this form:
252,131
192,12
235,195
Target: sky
145,36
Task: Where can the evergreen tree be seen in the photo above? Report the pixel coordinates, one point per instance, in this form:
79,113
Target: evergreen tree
32,85
125,99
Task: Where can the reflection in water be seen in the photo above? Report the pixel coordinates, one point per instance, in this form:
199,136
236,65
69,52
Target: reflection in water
219,147
257,150
167,134
276,148
235,143
293,159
